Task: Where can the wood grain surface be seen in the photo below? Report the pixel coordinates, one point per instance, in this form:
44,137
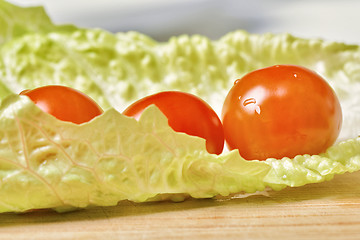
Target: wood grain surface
328,210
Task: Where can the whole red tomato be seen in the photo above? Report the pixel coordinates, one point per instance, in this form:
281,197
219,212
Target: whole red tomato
64,103
186,113
281,111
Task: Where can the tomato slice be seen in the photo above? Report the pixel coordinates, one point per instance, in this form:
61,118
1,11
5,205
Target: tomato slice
186,113
281,111
64,103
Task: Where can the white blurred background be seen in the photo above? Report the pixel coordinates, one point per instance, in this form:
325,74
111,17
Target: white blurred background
327,19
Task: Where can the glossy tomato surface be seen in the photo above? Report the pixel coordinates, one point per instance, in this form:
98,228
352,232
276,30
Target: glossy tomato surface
64,103
186,113
281,111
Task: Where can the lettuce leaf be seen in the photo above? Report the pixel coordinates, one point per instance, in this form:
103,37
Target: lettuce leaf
117,69
17,21
47,163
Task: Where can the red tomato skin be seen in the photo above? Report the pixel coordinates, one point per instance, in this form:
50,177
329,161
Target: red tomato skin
186,113
281,111
64,103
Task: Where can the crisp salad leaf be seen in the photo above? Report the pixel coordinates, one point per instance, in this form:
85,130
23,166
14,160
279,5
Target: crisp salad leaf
47,163
17,21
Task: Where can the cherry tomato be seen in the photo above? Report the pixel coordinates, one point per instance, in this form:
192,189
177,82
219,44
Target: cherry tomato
281,111
64,103
186,113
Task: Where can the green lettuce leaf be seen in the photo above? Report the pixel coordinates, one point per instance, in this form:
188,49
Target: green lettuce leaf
17,21
116,69
47,163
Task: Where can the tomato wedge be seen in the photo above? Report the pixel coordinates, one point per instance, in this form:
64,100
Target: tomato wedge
186,113
64,103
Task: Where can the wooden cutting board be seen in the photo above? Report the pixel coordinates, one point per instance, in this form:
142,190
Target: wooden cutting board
328,210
